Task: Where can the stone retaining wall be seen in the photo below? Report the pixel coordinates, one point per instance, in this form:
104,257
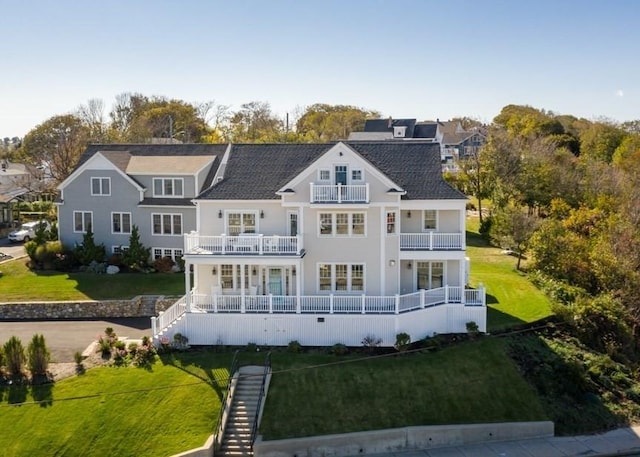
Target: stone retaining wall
141,306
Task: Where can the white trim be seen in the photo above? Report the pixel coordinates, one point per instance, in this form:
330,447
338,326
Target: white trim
101,185
349,290
84,228
121,213
162,224
98,158
341,147
163,195
173,253
255,212
120,248
334,233
422,216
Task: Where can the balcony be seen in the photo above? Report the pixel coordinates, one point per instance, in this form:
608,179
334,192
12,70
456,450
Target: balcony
339,193
431,241
247,244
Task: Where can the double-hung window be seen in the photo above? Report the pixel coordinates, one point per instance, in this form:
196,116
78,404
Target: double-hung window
82,221
173,254
101,186
168,187
429,220
391,222
166,224
341,277
342,224
241,222
121,223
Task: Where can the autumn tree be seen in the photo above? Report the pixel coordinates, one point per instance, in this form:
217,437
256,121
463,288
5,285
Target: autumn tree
254,122
57,144
322,122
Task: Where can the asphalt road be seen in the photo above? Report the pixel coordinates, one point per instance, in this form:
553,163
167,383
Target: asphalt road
64,338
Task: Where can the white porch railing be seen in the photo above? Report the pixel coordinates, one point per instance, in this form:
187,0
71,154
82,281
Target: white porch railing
336,304
252,244
339,193
431,241
169,316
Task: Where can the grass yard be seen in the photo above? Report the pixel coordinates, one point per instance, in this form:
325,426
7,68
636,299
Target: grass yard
165,410
511,297
18,283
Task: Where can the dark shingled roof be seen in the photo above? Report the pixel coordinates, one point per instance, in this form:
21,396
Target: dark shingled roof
382,125
258,171
415,166
166,202
425,130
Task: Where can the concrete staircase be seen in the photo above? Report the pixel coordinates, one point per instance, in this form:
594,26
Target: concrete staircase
236,441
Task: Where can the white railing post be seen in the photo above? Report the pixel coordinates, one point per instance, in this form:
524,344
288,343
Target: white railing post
224,243
366,196
463,295
339,193
312,197
215,303
423,302
270,303
431,241
154,330
243,305
260,244
330,303
397,303
298,244
446,293
364,304
188,300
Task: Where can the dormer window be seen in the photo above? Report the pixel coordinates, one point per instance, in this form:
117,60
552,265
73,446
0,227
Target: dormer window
168,187
101,186
399,131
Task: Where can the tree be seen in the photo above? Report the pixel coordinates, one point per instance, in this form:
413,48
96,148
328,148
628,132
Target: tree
600,141
254,123
14,355
38,356
89,251
512,228
136,257
92,115
57,143
322,122
473,170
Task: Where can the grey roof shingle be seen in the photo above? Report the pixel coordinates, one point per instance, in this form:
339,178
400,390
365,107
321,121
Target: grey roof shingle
425,130
382,125
258,171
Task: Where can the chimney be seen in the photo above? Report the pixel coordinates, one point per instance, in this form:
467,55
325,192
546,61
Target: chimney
390,123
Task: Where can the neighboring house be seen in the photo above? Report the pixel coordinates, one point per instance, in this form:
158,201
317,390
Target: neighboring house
319,243
18,182
116,186
458,143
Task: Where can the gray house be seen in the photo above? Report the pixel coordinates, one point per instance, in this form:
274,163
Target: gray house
116,186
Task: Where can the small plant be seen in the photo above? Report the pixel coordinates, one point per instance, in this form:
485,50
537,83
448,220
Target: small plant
120,345
109,332
144,355
294,347
132,348
252,347
38,356
163,265
77,357
472,330
136,258
403,340
339,349
88,251
15,357
371,342
180,341
104,346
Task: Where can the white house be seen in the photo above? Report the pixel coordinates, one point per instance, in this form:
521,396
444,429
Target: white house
325,244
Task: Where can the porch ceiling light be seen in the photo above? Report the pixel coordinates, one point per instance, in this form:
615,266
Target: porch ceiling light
409,214
392,263
261,214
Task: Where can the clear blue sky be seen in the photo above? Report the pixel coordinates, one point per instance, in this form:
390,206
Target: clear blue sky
412,58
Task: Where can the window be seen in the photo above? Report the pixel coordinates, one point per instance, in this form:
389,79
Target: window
241,222
429,219
100,186
356,175
226,276
430,275
167,187
121,223
119,249
324,175
82,221
167,224
391,222
341,277
342,224
173,254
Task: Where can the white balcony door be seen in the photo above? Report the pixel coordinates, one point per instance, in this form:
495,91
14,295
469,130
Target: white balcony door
274,281
292,223
340,174
241,222
429,275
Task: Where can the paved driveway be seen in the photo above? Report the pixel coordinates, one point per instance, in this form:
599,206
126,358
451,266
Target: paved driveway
64,338
12,249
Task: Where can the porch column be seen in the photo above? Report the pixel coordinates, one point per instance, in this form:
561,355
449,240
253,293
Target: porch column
298,275
187,285
243,307
463,221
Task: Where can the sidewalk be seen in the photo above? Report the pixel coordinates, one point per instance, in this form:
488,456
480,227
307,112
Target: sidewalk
619,442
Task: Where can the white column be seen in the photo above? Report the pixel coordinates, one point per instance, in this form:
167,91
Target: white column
242,298
187,285
298,285
463,222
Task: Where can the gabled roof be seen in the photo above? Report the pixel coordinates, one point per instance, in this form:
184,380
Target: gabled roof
387,125
425,130
258,171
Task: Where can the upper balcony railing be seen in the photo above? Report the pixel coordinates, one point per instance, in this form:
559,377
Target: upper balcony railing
247,244
431,241
339,193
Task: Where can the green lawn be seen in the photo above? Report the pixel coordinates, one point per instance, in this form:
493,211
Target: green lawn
167,409
511,297
450,386
18,283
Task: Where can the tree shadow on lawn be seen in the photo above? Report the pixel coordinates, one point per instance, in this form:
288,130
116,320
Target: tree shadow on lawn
202,361
476,240
499,320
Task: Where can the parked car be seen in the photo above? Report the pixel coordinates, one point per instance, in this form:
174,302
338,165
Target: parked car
27,231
